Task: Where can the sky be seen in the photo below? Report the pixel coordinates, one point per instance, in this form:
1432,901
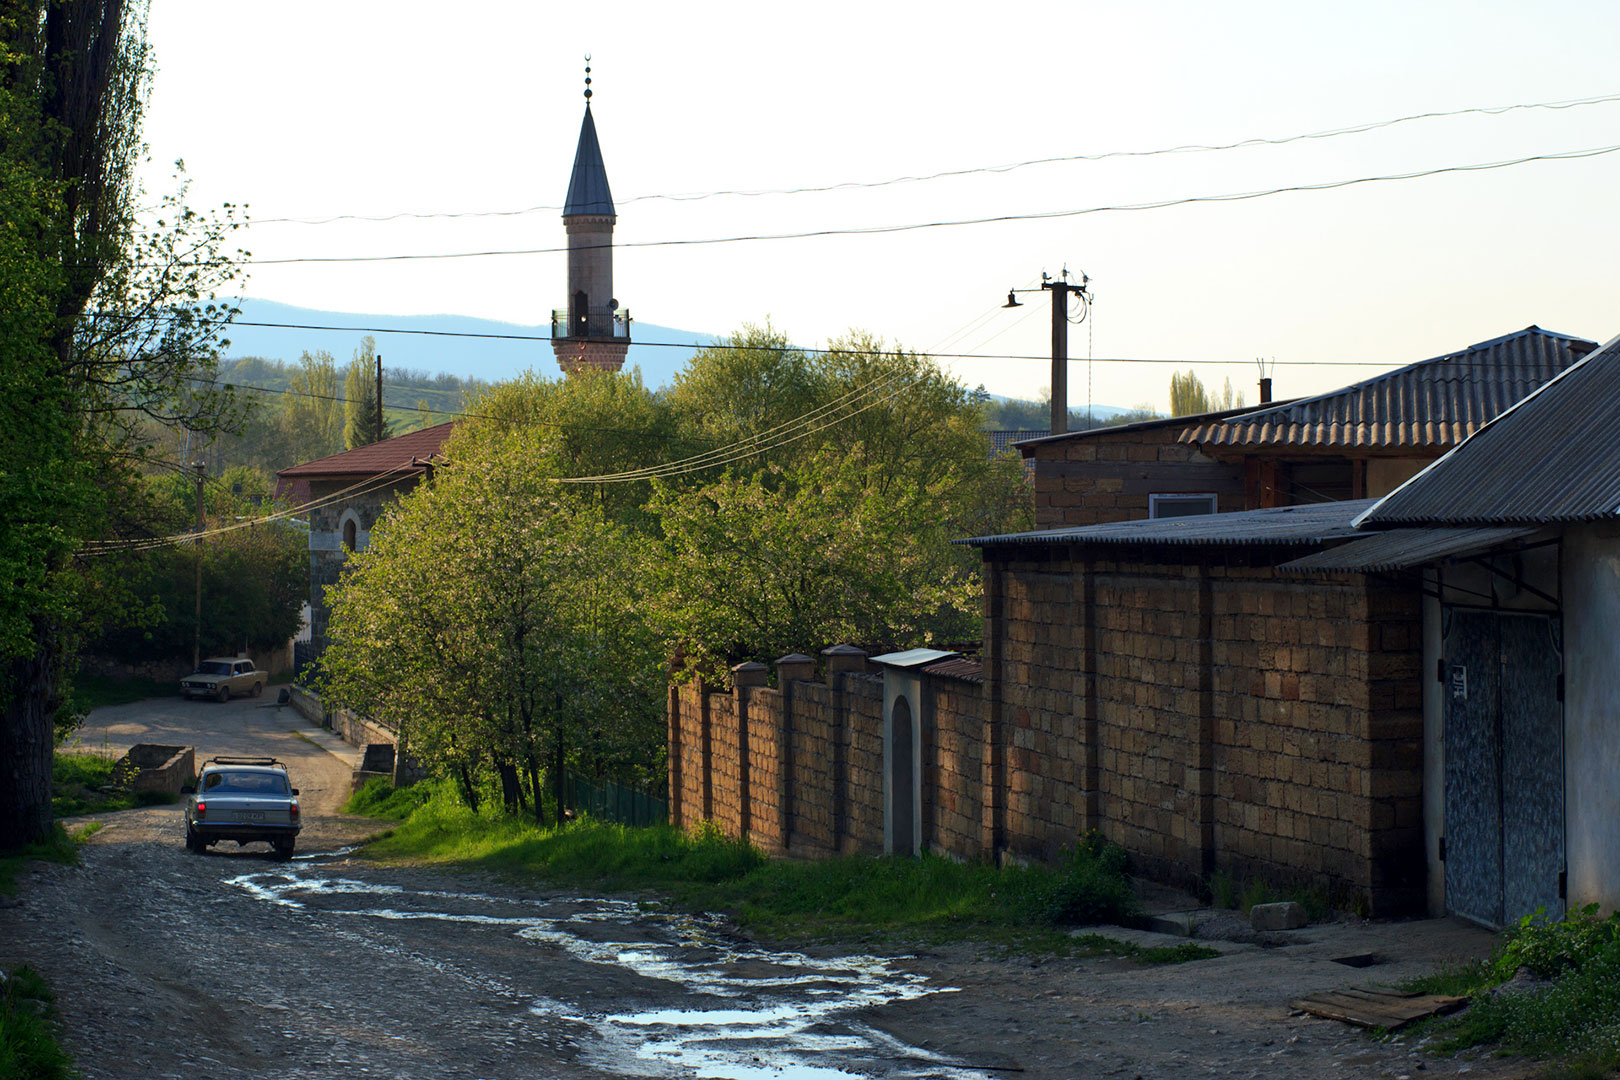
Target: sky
311,110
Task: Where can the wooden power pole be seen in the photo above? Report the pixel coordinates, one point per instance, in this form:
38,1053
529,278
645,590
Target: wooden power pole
202,523
379,399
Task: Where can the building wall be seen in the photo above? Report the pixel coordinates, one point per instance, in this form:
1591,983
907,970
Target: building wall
1591,595
1203,712
1384,475
1108,475
326,552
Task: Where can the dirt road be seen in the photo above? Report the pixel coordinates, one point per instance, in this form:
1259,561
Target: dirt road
232,964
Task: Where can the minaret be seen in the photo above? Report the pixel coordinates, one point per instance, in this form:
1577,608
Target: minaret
593,333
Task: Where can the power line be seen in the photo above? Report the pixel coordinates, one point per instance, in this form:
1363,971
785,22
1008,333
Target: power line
877,230
807,350
1189,148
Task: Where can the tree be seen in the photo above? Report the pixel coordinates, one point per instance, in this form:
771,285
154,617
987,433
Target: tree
363,426
830,519
494,621
1189,396
255,574
103,327
312,409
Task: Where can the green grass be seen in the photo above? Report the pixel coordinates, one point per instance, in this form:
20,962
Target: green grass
28,1048
95,691
84,784
1226,891
928,898
1571,1018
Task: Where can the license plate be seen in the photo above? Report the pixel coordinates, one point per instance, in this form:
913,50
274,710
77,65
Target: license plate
253,817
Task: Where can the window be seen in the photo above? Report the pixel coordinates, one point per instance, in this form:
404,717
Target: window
349,533
1181,505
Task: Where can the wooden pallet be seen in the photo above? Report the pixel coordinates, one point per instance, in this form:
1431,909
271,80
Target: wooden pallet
1377,1007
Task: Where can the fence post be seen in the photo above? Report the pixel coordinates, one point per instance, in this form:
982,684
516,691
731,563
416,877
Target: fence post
842,661
792,668
744,676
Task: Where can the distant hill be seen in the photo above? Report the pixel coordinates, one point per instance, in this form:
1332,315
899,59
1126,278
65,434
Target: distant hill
660,351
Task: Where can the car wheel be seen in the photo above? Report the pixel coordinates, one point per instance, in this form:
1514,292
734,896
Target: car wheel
194,842
258,688
284,848
223,693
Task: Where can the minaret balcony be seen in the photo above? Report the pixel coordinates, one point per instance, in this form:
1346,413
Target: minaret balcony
594,326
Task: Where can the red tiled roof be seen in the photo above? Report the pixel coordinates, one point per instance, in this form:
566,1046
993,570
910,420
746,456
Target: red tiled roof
391,454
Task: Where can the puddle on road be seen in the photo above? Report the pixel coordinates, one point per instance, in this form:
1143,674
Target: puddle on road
743,1012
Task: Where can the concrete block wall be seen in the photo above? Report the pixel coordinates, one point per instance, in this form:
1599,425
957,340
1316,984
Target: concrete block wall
1200,709
1108,475
1225,717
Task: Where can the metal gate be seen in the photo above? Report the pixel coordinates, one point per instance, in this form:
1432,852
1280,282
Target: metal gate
1504,765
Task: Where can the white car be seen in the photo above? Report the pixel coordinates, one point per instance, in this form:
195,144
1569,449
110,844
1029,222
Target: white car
245,799
219,677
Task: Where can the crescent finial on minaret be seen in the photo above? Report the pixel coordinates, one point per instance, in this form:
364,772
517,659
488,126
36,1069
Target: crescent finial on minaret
587,80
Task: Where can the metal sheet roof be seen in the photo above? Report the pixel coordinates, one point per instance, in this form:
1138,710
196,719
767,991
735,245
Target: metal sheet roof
1308,524
1028,447
1435,403
914,658
588,193
1399,549
1553,457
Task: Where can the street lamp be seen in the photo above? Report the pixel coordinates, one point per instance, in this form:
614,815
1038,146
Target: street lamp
1060,288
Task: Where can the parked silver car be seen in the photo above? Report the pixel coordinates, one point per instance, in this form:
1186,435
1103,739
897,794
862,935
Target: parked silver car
219,677
245,799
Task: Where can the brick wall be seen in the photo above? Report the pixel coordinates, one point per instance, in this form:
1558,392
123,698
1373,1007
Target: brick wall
1107,475
1197,708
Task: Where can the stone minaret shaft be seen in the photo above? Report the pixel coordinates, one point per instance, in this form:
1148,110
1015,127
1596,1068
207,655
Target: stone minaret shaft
593,333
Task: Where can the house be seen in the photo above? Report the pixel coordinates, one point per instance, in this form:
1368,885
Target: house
1514,541
1275,692
346,494
1358,442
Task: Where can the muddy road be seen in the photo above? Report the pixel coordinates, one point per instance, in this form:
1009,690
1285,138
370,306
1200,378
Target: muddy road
235,964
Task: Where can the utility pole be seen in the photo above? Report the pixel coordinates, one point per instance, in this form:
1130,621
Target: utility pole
379,398
1060,288
202,523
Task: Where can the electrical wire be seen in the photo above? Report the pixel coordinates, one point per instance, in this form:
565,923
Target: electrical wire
1189,148
878,230
370,483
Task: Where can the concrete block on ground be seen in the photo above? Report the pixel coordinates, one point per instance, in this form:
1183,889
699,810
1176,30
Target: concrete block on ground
1286,915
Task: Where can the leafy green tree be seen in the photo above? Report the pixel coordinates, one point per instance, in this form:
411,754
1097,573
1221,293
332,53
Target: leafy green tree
312,408
255,574
1189,396
362,426
834,521
494,621
102,326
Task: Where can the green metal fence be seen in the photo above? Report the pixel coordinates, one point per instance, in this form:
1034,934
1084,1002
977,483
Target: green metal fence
614,802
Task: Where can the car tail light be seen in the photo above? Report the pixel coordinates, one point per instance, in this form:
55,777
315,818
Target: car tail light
292,811
202,808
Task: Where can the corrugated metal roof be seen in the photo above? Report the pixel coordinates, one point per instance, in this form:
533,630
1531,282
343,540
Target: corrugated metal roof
964,668
1307,524
1434,403
914,657
1029,446
1399,549
379,457
1554,457
1002,440
588,192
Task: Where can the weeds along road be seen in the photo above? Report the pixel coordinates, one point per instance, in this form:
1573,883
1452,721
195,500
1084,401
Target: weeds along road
233,964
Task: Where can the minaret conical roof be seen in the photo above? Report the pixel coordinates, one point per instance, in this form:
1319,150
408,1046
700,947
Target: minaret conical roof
588,192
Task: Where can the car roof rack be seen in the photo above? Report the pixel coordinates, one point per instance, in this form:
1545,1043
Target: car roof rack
224,759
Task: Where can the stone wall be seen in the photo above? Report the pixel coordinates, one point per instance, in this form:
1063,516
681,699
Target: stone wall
1109,474
1199,709
365,735
1209,714
326,551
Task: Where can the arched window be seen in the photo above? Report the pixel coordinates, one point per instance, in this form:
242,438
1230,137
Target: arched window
349,535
